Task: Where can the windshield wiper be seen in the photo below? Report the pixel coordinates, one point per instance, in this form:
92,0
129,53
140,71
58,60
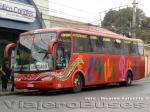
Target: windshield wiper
43,51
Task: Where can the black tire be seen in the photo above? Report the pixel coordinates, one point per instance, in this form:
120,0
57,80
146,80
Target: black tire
44,91
77,84
102,85
128,81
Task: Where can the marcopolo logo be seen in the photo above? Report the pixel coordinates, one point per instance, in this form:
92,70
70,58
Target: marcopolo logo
39,105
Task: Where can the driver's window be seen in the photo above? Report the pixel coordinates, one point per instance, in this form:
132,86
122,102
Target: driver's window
60,60
63,50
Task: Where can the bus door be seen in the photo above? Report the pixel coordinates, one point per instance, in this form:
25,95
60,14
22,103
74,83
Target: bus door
63,51
62,55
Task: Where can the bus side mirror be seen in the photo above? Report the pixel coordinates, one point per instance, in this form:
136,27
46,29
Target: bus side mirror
51,44
7,48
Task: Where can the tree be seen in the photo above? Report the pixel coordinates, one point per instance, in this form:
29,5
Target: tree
121,22
143,32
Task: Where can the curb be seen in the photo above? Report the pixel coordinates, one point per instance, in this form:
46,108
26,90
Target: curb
6,93
145,79
15,92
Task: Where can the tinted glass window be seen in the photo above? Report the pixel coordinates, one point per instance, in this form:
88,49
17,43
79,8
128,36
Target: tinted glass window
140,49
133,48
65,36
126,47
107,45
135,44
81,43
97,44
63,50
117,46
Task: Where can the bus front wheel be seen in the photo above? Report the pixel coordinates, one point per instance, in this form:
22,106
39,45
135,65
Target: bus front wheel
77,83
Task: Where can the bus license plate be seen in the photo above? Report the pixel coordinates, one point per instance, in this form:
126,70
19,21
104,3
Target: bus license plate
30,85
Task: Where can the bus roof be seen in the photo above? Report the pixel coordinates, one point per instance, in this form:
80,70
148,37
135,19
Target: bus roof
100,31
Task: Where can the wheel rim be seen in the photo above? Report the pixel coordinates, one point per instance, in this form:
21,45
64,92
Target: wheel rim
77,83
129,80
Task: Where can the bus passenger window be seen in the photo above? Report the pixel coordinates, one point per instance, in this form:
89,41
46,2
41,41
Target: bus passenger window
132,48
126,47
141,49
136,48
117,46
60,60
97,44
81,43
108,45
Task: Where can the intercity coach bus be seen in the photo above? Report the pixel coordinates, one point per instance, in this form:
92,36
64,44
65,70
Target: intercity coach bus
58,58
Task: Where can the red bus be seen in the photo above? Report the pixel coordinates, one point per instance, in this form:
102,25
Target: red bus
59,58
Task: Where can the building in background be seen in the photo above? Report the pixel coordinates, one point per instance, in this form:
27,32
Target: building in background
147,60
43,7
17,16
67,23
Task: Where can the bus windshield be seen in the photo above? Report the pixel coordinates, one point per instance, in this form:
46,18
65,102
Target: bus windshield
31,53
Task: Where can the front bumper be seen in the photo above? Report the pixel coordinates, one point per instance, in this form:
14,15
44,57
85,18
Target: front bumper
35,85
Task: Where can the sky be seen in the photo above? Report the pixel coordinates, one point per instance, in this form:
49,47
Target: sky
91,11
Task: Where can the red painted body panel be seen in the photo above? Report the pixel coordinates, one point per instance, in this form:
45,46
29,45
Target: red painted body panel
6,50
104,69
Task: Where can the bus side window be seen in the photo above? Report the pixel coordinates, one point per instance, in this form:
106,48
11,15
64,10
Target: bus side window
97,44
67,52
117,45
63,56
140,49
132,48
107,45
126,47
81,43
60,63
136,48
63,50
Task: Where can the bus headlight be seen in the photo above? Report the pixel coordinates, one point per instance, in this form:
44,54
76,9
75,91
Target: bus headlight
47,78
17,79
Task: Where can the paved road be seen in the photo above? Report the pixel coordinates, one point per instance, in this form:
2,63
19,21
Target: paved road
112,98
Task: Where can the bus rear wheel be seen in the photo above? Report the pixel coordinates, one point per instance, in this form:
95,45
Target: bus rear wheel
44,91
77,83
128,81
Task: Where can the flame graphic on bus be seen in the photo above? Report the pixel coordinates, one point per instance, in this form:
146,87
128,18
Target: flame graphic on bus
122,67
108,68
71,67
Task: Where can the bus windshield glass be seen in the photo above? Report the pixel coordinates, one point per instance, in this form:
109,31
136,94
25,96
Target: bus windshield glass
31,53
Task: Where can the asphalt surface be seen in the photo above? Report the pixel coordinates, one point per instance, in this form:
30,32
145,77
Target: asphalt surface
113,98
